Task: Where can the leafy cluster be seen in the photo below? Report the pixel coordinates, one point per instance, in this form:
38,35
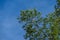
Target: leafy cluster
39,28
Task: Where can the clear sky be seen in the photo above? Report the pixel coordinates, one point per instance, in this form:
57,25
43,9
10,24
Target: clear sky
10,29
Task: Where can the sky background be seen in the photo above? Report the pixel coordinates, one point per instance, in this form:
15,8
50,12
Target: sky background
10,29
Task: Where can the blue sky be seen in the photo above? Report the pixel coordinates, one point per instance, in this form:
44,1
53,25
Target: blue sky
10,29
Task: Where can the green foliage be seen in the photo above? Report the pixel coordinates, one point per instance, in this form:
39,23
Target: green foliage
39,28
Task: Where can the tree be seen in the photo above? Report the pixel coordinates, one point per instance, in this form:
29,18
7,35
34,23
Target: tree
54,20
35,25
39,28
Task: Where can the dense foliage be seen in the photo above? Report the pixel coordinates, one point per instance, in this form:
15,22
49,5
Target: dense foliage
39,28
